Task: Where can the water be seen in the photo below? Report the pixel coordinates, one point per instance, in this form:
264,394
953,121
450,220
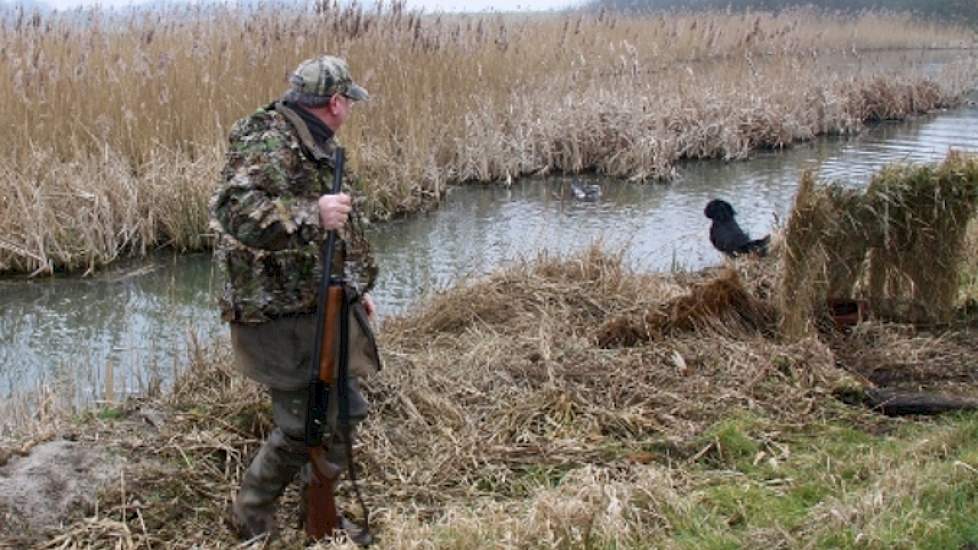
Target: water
661,226
139,320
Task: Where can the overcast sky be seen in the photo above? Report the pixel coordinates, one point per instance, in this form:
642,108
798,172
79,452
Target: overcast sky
428,5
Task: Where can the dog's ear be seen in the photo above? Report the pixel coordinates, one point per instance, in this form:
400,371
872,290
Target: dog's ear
728,209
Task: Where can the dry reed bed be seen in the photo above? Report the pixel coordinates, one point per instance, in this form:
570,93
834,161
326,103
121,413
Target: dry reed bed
117,123
900,244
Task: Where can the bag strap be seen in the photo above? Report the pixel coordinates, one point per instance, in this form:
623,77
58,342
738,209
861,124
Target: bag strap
343,395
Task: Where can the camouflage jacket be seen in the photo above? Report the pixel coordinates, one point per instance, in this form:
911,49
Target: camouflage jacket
266,218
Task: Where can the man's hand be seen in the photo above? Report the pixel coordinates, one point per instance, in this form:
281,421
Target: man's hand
368,305
333,210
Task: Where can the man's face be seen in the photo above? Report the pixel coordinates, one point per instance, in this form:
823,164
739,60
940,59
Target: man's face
340,108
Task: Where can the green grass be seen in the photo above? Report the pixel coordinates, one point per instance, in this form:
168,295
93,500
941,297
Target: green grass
109,412
893,484
755,483
914,488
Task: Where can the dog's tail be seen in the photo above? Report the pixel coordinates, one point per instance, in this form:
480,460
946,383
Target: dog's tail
757,246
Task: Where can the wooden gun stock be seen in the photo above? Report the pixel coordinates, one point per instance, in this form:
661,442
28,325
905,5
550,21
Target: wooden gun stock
331,334
322,519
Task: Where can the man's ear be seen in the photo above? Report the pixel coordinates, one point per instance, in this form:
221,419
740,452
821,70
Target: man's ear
333,103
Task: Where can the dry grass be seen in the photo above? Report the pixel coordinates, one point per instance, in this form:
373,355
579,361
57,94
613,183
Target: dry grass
501,419
900,244
721,300
924,214
84,213
117,124
493,390
520,380
818,235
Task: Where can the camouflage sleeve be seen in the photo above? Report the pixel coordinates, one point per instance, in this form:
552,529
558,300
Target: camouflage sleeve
254,203
360,268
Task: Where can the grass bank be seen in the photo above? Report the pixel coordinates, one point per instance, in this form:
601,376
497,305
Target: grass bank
117,122
509,415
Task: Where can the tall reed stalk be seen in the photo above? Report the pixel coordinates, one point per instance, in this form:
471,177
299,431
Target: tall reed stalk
116,123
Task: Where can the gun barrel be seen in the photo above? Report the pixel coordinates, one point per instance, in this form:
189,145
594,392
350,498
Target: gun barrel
322,518
328,308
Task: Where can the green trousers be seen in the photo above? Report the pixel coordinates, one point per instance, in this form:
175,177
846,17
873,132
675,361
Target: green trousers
280,351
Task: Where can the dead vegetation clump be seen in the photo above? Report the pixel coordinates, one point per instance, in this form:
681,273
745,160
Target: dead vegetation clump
538,388
909,358
899,245
882,99
719,301
84,213
821,232
923,219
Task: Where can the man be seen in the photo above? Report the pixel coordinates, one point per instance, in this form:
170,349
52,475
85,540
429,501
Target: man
271,218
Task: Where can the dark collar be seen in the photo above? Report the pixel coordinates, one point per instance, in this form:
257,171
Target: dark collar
320,132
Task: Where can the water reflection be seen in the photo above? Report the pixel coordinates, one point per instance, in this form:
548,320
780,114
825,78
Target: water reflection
136,319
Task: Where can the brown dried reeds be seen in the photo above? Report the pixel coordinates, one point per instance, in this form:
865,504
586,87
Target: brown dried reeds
721,300
923,218
152,94
901,242
84,213
822,230
524,382
494,393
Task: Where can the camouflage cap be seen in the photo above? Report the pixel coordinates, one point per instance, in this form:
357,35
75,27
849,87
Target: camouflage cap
324,77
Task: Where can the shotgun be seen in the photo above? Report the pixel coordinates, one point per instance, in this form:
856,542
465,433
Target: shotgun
332,318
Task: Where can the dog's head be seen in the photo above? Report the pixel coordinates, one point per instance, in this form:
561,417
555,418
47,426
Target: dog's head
719,210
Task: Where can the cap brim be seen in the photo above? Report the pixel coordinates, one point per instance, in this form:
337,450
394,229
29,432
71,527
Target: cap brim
356,93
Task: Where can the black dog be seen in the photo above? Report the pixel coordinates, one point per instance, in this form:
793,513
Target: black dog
727,236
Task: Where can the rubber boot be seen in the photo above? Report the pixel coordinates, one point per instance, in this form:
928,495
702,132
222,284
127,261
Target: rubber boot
357,534
253,510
